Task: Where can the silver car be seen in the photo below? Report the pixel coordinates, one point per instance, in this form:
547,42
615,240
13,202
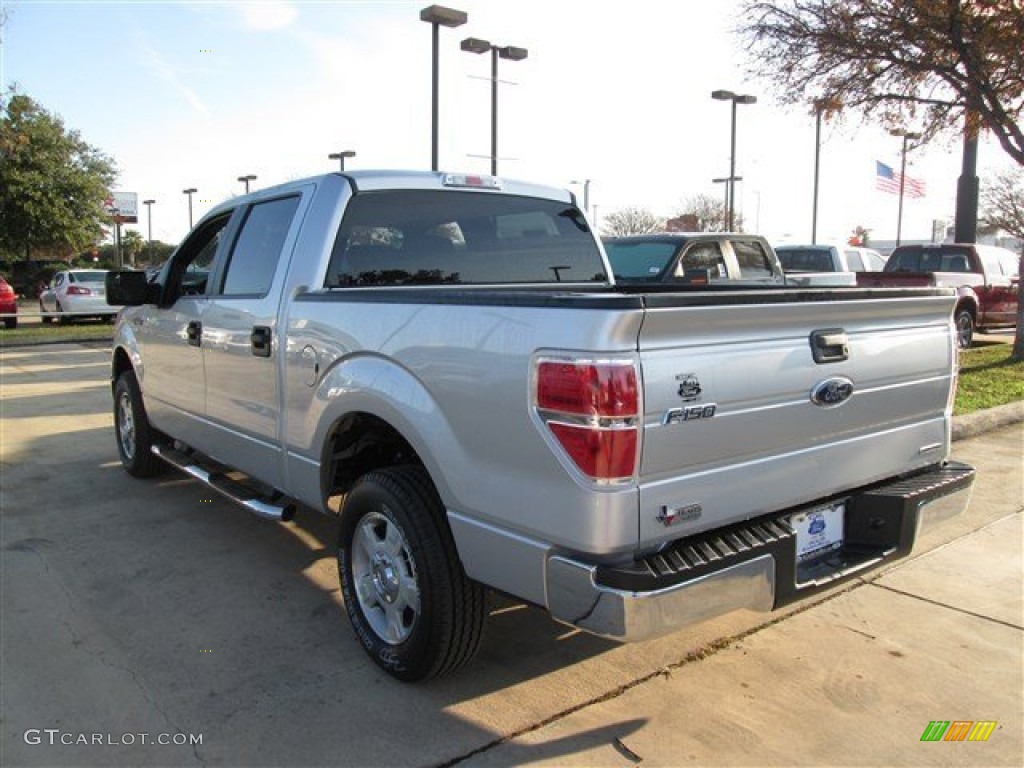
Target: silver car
76,293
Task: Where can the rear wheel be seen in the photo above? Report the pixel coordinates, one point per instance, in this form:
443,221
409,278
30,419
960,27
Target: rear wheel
10,323
62,318
134,434
42,313
964,328
411,605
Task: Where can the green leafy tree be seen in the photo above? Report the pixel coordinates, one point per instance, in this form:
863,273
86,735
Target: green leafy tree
52,183
132,244
927,63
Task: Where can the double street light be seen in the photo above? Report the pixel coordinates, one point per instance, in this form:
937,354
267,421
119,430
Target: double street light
510,52
246,179
437,16
735,98
907,136
340,157
190,191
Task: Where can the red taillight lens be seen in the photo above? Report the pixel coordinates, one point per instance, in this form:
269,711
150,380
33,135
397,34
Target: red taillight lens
77,290
599,453
592,410
588,389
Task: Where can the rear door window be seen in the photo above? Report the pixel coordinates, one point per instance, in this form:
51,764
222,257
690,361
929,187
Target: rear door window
752,259
431,237
257,250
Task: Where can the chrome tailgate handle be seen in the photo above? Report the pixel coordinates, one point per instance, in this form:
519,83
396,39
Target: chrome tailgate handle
829,345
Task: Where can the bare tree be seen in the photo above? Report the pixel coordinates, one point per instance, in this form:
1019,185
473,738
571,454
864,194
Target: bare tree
703,213
631,221
926,63
1003,207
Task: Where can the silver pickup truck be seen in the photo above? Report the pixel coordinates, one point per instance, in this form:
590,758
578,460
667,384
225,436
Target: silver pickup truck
446,363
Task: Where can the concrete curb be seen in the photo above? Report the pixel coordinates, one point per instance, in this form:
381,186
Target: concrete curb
979,422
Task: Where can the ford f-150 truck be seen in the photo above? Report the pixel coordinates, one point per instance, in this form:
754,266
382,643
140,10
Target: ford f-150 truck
985,277
446,363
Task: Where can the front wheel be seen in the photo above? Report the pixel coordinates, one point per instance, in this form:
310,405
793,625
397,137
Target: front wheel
134,434
411,605
964,321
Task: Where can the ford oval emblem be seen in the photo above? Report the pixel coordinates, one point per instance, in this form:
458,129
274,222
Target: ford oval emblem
832,392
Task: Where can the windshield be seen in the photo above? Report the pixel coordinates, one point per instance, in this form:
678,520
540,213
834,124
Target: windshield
639,261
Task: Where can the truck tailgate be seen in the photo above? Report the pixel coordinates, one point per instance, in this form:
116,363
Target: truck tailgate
742,417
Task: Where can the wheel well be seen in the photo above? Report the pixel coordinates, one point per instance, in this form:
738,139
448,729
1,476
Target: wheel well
360,443
969,305
120,365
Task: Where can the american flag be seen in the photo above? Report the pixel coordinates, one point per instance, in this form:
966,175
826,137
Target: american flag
888,180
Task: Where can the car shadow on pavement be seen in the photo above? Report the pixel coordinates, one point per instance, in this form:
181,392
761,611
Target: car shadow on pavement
234,628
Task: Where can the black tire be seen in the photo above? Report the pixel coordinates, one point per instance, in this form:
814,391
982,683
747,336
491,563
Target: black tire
42,314
62,319
10,323
964,322
132,430
417,614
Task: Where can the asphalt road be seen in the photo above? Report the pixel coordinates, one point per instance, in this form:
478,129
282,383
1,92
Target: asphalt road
136,612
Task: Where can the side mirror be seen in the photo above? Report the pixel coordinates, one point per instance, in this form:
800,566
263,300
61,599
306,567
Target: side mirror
130,289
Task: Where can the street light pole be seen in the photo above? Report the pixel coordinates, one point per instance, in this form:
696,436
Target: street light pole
190,191
907,135
817,161
511,52
727,180
586,193
246,179
735,98
340,157
149,219
149,226
437,16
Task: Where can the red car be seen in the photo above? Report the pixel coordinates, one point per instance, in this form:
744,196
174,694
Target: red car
8,304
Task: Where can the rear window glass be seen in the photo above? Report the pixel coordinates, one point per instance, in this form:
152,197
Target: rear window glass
427,237
805,259
639,261
88,277
938,258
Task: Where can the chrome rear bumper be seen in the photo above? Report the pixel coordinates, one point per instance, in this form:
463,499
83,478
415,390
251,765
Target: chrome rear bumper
752,565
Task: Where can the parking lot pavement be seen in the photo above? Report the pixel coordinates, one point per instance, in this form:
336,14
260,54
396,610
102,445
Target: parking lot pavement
145,611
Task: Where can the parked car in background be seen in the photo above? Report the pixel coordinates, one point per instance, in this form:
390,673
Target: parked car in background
692,258
76,293
985,277
8,304
820,264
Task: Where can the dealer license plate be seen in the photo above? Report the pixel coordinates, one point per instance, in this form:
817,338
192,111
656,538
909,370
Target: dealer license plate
818,531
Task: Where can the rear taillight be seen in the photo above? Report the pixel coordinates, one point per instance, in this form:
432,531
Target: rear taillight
592,410
77,290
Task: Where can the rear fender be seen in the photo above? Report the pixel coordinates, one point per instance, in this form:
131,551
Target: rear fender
370,384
